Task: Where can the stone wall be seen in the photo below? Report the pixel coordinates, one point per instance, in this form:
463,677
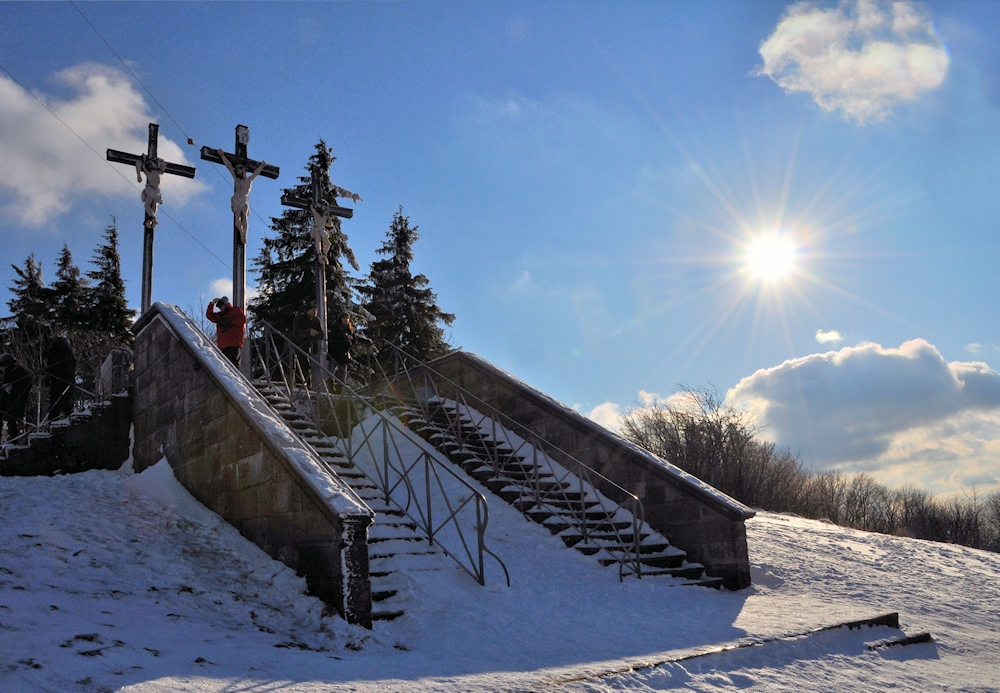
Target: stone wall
695,517
99,440
237,457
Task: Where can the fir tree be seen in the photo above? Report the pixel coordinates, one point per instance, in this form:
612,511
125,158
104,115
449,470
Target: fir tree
69,294
404,310
106,310
285,264
27,331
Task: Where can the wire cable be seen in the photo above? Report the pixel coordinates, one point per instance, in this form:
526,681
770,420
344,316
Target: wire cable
125,65
113,168
190,141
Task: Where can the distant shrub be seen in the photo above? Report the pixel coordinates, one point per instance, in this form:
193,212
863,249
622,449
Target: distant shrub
721,445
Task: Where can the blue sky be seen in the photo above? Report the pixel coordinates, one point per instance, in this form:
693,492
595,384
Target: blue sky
588,179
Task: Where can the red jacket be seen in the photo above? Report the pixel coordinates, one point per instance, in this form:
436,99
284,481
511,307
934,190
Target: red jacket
229,325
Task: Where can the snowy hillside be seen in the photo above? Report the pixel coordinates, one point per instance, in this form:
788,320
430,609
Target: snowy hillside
111,581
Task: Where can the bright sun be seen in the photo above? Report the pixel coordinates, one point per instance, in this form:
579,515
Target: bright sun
770,258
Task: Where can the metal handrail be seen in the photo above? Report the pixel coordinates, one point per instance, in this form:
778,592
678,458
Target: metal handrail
433,389
88,361
359,428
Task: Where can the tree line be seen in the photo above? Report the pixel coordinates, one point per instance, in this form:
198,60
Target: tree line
722,445
88,308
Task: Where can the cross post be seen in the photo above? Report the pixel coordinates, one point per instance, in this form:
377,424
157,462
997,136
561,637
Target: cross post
239,159
239,164
320,266
153,167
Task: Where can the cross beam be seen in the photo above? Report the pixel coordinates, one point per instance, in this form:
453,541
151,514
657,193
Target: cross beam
316,199
139,162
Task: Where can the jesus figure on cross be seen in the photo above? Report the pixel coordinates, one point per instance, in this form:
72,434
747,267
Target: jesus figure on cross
241,191
153,167
322,225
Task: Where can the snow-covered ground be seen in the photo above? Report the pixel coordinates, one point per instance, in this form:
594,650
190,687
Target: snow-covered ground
113,581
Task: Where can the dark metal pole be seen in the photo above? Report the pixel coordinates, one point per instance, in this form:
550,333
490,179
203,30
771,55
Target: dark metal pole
323,341
147,263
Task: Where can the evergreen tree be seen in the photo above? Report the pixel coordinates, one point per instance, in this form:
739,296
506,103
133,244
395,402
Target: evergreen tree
285,264
106,310
404,310
69,294
27,331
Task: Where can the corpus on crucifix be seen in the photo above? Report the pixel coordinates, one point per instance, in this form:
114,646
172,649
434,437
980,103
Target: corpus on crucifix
238,164
153,167
323,214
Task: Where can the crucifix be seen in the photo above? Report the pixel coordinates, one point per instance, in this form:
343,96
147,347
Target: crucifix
323,214
153,167
238,164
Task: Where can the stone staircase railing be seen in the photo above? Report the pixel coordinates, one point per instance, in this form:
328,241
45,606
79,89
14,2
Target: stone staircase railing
519,465
693,516
447,510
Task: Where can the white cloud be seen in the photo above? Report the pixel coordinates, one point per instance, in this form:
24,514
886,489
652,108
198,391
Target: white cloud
608,415
870,408
46,167
861,57
947,457
830,337
974,348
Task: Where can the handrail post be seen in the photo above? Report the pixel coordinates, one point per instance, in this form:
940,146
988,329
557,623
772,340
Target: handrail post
537,483
427,484
385,458
636,538
480,531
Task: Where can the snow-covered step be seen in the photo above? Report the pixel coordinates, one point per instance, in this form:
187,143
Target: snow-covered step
573,511
394,543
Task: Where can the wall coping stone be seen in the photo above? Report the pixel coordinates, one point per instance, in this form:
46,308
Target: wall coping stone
726,505
301,460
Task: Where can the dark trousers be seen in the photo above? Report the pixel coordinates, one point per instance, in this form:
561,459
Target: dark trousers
233,354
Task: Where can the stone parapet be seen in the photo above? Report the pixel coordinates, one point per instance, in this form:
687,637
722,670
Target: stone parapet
704,522
98,439
238,458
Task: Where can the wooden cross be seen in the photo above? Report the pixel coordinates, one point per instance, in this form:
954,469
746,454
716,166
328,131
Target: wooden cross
139,161
239,158
320,266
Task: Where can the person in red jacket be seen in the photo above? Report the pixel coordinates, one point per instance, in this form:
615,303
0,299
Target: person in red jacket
230,327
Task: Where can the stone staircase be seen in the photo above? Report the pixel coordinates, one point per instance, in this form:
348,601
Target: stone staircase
394,543
557,504
96,438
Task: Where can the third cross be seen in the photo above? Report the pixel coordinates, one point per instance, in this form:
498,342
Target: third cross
323,214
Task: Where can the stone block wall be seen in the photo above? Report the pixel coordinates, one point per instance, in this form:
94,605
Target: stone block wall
97,441
237,457
695,517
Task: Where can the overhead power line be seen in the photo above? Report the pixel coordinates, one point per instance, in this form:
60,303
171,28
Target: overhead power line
190,141
134,76
108,163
